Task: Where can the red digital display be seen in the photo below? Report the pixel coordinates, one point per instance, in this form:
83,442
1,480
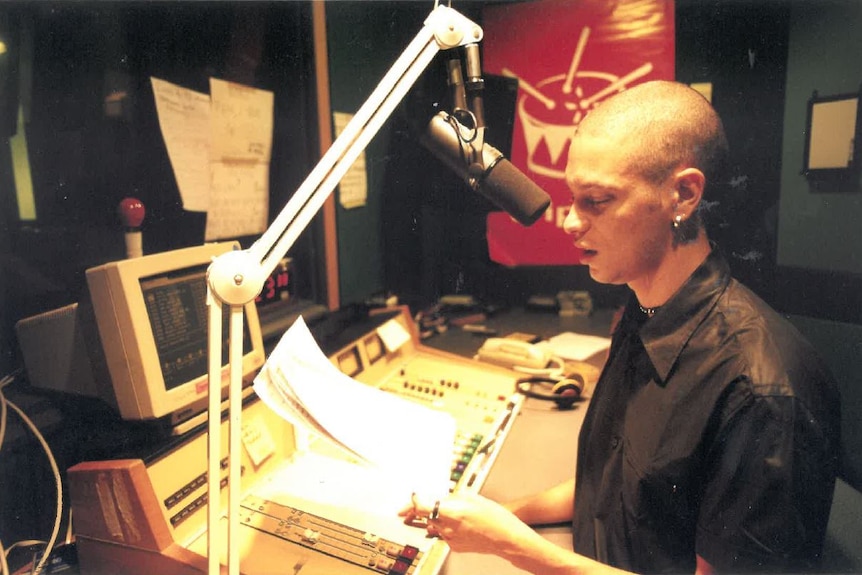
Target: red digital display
277,286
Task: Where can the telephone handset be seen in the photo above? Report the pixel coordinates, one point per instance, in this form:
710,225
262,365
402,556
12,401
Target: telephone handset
511,353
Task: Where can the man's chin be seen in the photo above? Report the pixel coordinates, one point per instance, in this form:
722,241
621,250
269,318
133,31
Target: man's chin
603,277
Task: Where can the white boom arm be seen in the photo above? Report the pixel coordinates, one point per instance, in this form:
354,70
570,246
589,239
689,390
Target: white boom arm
237,277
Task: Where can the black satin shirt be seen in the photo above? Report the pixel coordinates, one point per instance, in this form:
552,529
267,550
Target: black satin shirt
713,430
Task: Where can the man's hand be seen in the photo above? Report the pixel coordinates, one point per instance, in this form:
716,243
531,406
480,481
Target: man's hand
468,522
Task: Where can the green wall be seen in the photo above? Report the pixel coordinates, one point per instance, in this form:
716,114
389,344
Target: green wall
364,39
819,230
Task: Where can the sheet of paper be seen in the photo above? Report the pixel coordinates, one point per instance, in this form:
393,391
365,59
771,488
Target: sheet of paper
287,405
335,485
184,119
393,335
407,442
239,200
240,151
576,346
241,122
353,187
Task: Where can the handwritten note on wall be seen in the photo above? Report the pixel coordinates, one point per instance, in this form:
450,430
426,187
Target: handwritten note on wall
184,119
220,148
239,200
240,151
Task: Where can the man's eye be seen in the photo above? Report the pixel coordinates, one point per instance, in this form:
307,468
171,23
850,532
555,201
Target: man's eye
597,201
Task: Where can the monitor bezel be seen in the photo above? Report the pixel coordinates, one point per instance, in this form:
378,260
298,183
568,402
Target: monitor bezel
129,346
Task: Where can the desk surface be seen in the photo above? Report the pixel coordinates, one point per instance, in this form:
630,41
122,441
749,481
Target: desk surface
541,448
542,323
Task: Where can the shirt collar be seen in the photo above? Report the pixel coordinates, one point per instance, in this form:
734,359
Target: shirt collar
666,333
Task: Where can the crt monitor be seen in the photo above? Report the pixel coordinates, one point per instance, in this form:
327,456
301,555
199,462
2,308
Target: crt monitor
151,315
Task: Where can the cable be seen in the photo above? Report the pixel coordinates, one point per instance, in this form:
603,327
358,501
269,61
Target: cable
55,470
4,566
26,543
22,543
3,383
57,482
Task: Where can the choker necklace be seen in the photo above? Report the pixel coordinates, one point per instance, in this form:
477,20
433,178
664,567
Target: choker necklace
649,311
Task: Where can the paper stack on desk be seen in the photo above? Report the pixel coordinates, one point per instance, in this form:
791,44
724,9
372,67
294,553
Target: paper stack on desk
576,346
410,444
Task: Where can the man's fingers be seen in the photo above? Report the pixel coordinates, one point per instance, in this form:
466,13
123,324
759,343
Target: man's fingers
419,513
422,506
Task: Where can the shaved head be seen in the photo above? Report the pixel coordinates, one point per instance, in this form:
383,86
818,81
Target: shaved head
661,126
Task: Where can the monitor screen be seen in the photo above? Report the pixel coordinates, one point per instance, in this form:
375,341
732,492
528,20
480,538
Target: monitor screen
152,319
177,310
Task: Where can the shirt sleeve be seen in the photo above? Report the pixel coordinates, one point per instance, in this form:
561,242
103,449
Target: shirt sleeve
768,489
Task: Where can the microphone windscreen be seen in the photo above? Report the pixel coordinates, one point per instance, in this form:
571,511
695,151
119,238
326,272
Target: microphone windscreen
508,188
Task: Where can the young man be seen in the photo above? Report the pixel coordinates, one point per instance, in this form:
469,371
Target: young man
711,442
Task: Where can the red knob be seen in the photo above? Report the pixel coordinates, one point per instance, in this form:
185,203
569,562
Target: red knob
132,212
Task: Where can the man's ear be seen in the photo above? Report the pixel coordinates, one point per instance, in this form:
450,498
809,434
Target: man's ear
689,185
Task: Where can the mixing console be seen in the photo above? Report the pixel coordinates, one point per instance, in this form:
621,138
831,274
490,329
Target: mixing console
481,397
150,516
481,401
331,537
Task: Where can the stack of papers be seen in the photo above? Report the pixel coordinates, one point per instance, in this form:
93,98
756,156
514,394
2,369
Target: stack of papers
408,443
575,346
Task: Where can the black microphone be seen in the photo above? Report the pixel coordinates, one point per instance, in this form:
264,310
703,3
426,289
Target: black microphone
488,173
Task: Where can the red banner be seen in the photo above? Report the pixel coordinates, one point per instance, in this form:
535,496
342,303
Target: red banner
568,55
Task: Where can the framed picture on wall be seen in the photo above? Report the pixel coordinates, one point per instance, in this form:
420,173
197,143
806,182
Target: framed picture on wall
832,132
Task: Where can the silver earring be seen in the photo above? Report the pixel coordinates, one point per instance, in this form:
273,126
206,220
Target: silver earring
677,221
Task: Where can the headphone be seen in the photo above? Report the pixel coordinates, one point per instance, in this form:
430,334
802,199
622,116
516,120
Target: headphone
565,392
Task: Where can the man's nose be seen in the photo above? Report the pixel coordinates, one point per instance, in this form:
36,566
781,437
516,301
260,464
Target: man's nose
574,224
